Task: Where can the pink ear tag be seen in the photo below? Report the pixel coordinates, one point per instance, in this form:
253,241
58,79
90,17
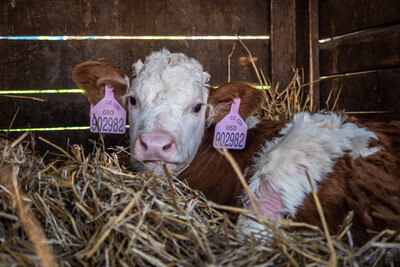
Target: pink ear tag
231,131
108,116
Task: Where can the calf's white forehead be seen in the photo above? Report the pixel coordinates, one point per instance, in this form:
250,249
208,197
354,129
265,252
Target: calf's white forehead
171,86
166,78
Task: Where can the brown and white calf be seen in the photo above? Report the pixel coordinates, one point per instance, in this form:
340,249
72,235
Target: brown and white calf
172,114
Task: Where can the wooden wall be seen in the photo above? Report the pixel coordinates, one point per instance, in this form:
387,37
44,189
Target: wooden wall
365,46
362,46
47,64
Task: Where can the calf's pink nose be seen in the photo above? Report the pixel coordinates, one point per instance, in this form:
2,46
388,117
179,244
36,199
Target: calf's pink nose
155,146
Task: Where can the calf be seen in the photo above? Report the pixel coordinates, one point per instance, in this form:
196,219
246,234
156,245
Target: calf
172,114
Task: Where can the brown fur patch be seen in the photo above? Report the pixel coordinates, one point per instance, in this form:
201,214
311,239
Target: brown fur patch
93,75
367,186
212,174
222,97
361,185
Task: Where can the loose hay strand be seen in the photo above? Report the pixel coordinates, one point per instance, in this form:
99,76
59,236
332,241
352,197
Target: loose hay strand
229,62
242,180
57,147
29,222
333,257
172,188
251,59
12,120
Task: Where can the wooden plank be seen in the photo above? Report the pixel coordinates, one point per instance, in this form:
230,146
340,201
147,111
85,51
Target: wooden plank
49,64
374,91
56,110
377,116
56,64
294,43
134,17
342,16
65,139
379,48
283,42
307,45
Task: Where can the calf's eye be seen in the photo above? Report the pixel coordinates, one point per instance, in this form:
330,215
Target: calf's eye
197,108
132,100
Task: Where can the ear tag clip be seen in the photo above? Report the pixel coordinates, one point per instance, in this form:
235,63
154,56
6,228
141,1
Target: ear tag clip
231,131
108,116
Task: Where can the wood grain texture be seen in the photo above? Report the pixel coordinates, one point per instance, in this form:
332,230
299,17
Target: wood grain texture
134,17
56,110
375,49
49,64
342,16
372,91
307,45
283,42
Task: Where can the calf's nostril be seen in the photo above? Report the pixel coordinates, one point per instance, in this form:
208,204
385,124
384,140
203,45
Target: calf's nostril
143,144
166,147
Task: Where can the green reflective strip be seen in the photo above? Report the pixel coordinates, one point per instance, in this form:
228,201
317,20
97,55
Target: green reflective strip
263,87
49,129
165,37
46,129
74,91
45,91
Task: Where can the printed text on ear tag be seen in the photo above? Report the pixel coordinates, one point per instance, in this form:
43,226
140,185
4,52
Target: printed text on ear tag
108,116
231,131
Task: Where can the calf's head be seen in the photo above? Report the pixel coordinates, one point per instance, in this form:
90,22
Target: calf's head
167,107
167,104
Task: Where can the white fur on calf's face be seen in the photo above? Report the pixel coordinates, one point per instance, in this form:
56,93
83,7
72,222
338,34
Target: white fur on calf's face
167,89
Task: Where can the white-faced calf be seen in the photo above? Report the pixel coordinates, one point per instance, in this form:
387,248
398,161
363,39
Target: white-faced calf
353,165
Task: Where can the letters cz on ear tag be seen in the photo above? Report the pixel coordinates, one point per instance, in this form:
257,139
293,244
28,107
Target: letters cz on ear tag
231,131
108,116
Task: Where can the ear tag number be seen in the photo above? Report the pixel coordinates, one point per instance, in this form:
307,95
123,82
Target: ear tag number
108,116
231,131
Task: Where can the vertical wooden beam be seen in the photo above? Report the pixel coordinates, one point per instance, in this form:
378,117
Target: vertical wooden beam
283,42
308,45
295,43
314,50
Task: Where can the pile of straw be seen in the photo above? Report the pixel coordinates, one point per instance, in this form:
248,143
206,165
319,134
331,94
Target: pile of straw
88,209
282,104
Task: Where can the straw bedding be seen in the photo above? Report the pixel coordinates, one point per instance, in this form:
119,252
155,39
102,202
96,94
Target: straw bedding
88,208
93,211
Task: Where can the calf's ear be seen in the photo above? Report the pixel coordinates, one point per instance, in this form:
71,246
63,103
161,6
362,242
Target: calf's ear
92,77
221,99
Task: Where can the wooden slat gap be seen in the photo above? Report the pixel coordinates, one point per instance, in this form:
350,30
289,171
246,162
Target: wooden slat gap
358,32
355,73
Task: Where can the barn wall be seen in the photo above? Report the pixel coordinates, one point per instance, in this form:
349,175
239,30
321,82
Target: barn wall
44,64
363,48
